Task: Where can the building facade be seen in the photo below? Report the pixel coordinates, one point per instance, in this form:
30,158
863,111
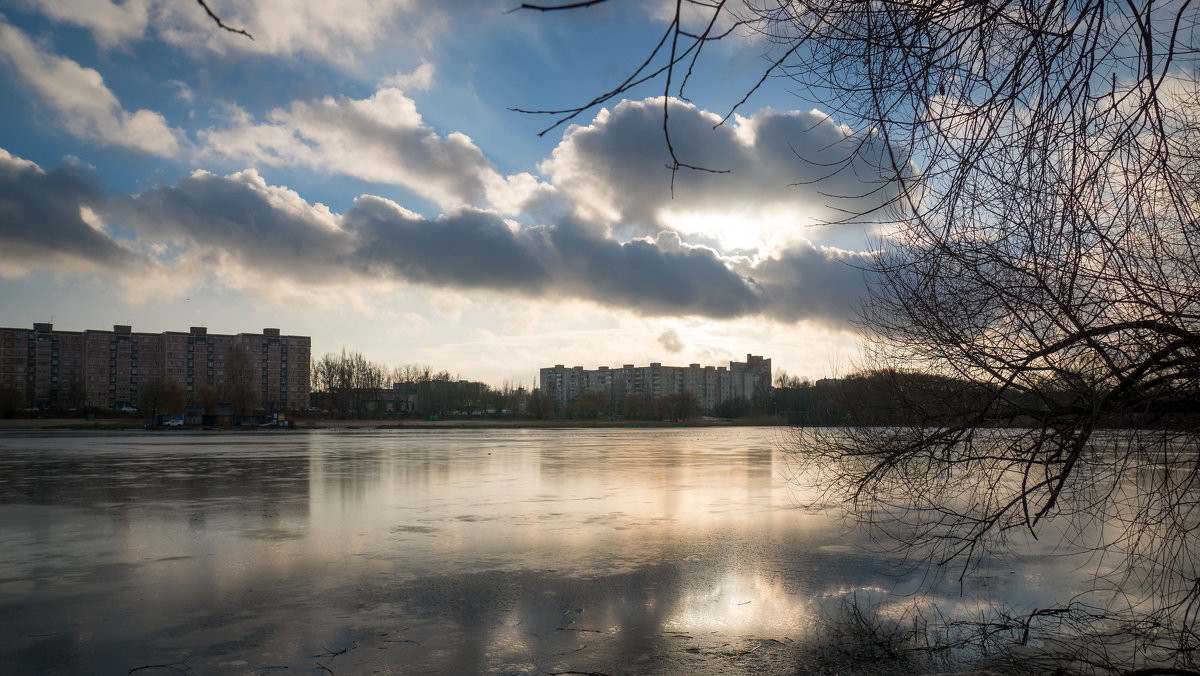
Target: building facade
102,369
712,386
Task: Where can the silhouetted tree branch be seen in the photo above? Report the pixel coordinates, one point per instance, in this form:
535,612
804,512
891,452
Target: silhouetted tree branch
1039,255
212,15
675,48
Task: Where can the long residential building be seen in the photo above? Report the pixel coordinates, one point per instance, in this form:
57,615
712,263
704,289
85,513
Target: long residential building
103,369
711,385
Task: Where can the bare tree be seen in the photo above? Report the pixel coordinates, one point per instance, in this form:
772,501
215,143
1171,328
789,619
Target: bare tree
11,401
207,398
162,396
1043,256
242,385
350,382
540,405
1039,253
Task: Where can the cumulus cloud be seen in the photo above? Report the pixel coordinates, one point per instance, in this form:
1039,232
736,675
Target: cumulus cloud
612,170
241,219
670,341
247,228
381,139
469,249
112,24
335,31
642,277
421,79
262,226
47,218
608,173
79,97
338,32
805,281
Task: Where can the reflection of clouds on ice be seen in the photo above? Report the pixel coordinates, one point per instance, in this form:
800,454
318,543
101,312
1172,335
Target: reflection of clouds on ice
591,501
741,605
449,551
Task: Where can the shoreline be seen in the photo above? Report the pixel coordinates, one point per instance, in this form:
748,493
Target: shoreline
303,425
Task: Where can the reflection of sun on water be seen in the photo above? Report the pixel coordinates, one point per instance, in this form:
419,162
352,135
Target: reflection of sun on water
741,605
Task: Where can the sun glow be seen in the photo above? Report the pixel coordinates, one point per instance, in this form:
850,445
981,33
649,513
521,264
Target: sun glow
755,231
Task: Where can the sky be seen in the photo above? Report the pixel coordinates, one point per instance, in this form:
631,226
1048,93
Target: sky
356,173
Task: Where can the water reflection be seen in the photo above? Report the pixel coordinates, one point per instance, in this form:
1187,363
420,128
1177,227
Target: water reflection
518,551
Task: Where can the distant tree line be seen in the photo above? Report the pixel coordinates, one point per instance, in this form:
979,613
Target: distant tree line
350,385
12,400
890,398
669,408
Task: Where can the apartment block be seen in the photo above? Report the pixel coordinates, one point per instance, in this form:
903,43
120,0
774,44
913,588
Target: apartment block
42,363
104,369
711,385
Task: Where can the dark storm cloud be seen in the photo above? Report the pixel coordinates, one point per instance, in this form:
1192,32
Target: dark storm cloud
272,230
41,220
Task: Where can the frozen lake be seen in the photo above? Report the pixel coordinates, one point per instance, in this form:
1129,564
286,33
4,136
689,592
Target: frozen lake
483,551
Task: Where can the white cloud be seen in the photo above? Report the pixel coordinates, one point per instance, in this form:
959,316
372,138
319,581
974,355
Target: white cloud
339,32
614,171
609,172
382,139
111,23
79,97
419,80
276,238
343,33
12,163
182,91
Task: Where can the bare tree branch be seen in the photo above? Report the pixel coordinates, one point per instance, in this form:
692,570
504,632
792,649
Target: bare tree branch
220,23
1034,299
554,8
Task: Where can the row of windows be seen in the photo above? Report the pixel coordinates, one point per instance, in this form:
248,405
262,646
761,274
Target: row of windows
106,336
